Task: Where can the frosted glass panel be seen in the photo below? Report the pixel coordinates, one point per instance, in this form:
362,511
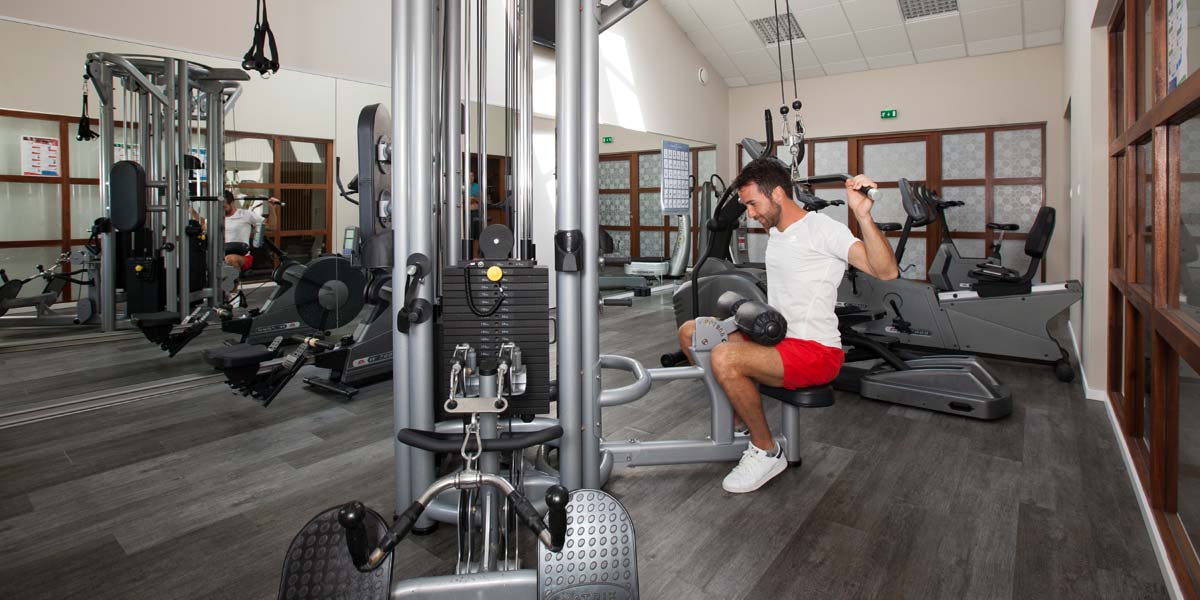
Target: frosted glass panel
963,156
85,209
22,262
890,162
756,247
614,174
1017,204
837,213
1189,227
30,211
11,130
649,209
85,156
252,160
971,248
830,157
912,264
1018,153
651,244
614,209
650,170
706,164
620,243
1012,255
887,207
970,216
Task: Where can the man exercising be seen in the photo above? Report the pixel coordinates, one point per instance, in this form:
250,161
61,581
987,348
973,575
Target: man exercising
807,254
239,225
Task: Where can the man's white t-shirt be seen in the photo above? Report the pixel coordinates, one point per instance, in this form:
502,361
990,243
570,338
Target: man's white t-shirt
240,225
805,264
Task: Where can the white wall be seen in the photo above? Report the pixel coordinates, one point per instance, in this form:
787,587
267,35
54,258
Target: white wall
1085,77
997,89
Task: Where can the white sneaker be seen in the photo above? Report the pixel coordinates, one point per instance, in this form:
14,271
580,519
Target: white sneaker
755,469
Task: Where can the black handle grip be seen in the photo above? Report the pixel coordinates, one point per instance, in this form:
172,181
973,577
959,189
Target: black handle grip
770,149
351,518
394,535
527,513
618,302
557,497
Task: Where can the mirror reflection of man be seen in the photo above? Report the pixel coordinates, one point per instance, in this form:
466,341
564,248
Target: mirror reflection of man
239,226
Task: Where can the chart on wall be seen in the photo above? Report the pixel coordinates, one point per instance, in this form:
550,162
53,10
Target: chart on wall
676,192
39,156
1177,39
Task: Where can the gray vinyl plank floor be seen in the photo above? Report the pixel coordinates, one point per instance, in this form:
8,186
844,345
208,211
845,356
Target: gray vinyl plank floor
198,494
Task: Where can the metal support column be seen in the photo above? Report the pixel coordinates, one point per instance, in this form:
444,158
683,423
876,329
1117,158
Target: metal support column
523,196
215,169
108,241
589,211
171,193
567,221
452,119
183,93
401,84
481,107
419,221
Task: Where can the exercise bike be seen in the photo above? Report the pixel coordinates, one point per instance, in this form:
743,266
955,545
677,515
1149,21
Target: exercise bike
949,270
1003,314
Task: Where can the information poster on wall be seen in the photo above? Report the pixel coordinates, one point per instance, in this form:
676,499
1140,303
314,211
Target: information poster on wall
675,193
1177,40
39,156
202,154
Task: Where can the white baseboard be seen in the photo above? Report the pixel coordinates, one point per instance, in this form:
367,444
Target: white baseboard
1088,391
1156,537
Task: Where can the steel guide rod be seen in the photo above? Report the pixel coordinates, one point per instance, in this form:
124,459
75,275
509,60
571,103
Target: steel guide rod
589,199
399,156
183,94
108,254
452,127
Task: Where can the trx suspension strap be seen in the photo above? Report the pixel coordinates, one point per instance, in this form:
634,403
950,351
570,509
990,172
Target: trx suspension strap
256,57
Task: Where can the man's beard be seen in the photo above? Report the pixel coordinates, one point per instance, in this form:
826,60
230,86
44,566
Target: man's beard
771,218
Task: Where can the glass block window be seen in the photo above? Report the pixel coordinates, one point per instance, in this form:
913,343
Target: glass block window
651,244
37,207
706,164
888,208
970,216
1017,153
614,174
1017,204
912,264
963,156
890,162
830,157
841,213
621,245
972,248
650,170
614,209
649,210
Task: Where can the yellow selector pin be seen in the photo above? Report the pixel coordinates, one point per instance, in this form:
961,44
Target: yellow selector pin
138,269
495,273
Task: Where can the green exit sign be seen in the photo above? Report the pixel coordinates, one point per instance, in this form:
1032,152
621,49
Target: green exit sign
606,139
887,114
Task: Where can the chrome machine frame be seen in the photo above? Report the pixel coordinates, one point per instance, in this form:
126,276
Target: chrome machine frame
163,98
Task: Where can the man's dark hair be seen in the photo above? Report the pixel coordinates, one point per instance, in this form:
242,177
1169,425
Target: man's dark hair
227,195
766,172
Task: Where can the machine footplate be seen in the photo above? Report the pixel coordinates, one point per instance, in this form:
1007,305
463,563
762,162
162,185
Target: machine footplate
599,558
318,566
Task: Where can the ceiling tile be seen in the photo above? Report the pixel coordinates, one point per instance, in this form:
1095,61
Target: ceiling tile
801,51
872,14
725,67
891,60
849,66
993,46
735,81
935,32
756,9
738,37
684,16
974,5
717,13
1043,38
824,21
943,53
754,61
883,41
761,78
705,42
1043,15
836,49
809,72
993,23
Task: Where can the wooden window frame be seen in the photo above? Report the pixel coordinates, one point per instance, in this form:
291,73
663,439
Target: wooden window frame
1174,335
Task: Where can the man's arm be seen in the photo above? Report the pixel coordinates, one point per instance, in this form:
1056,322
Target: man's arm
873,255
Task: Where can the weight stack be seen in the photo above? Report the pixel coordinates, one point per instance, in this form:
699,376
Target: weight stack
145,290
522,318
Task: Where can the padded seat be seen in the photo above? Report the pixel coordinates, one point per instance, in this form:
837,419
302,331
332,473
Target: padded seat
156,319
30,301
810,397
238,355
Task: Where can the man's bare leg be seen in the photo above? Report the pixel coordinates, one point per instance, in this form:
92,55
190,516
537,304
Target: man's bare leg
739,367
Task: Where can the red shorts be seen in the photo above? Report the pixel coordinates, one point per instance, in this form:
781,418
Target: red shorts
807,363
247,262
